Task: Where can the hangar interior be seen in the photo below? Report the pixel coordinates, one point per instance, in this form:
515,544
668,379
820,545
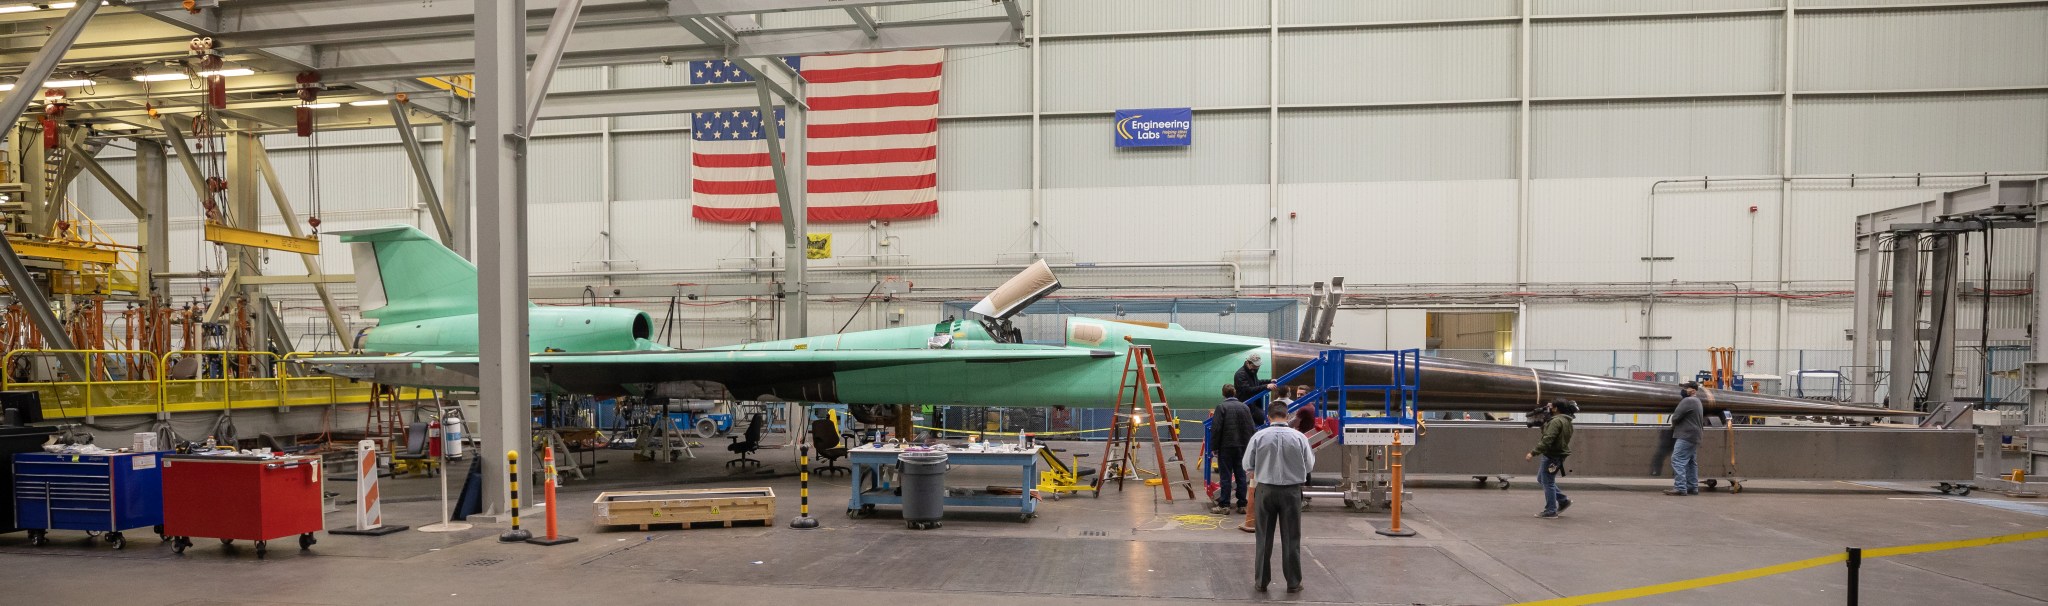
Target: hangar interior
390,241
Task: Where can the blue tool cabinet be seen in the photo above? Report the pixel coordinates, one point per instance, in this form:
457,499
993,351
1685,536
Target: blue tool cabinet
105,493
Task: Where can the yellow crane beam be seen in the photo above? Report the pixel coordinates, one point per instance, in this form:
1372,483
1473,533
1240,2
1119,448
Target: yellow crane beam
65,252
223,234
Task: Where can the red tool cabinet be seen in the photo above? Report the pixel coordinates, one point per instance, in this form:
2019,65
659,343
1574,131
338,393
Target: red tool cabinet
242,498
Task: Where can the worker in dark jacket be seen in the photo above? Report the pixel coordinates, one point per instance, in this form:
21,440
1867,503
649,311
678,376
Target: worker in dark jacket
1249,385
1555,446
1229,432
1686,421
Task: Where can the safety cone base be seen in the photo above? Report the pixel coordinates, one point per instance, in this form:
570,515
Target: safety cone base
551,542
514,536
1395,533
373,532
804,523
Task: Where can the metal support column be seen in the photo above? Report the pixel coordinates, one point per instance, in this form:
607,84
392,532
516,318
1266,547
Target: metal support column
24,286
2037,371
152,191
1905,341
1941,359
788,192
428,195
506,382
35,189
245,203
455,177
549,56
1865,321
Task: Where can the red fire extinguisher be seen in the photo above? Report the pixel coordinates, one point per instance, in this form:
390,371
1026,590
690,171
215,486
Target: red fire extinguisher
434,439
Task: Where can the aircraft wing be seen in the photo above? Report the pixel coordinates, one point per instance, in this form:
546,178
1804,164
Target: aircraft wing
608,372
1168,345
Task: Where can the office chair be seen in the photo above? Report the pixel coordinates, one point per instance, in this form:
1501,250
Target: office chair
415,452
828,444
751,443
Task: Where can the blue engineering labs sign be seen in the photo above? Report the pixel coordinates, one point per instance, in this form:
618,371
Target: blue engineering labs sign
1155,127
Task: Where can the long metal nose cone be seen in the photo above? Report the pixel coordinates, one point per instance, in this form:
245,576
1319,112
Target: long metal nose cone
1449,384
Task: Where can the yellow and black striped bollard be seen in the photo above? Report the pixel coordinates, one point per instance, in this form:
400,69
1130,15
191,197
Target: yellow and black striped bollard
803,520
514,535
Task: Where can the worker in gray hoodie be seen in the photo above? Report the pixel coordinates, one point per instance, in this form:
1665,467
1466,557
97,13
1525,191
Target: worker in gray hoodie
1686,421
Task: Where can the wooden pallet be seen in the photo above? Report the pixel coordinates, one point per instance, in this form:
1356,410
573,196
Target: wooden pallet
686,508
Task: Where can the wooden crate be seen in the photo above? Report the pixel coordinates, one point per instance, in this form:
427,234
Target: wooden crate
723,506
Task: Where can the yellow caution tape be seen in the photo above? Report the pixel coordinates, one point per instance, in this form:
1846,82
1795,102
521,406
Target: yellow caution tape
1743,575
1008,433
1610,596
1035,433
1883,552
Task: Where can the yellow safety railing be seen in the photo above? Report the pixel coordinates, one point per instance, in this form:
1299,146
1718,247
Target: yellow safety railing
289,384
89,397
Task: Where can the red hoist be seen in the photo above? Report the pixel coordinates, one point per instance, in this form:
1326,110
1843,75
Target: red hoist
309,91
54,104
208,57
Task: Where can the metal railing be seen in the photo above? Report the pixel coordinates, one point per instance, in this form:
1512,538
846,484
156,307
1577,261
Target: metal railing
208,386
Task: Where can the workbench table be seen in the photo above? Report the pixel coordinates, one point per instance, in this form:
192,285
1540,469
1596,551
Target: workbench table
869,489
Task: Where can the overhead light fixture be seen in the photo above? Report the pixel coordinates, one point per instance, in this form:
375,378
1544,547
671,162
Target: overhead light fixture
321,105
369,102
55,5
66,83
163,77
7,87
19,8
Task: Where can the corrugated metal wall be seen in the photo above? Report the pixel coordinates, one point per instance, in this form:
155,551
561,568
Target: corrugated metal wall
1397,144
1737,54
1210,70
1230,148
1396,147
1661,138
1918,49
1585,7
1427,63
1840,135
1353,11
1094,16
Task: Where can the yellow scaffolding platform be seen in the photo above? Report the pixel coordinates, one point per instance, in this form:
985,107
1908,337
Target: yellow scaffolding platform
116,395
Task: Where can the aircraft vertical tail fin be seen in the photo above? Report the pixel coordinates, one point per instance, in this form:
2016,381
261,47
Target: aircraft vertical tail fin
402,275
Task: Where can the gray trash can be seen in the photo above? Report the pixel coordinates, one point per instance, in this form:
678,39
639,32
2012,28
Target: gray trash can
924,488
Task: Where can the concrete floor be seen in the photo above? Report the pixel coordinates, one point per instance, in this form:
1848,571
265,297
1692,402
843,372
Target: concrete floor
1476,546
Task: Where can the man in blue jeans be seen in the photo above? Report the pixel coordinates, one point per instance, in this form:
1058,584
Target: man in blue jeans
1686,421
1229,433
1554,448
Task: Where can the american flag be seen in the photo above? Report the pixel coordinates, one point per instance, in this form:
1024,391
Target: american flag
872,142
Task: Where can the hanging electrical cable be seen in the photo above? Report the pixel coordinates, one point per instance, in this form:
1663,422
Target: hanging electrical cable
313,183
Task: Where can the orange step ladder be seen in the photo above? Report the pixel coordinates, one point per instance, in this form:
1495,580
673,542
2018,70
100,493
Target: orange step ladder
1141,402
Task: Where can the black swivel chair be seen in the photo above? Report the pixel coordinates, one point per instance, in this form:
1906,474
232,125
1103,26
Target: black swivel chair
751,443
828,445
416,448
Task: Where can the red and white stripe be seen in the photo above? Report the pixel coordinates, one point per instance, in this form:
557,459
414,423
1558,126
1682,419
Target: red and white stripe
872,142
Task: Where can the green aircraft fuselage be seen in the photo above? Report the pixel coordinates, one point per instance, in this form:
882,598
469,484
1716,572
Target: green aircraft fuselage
424,297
